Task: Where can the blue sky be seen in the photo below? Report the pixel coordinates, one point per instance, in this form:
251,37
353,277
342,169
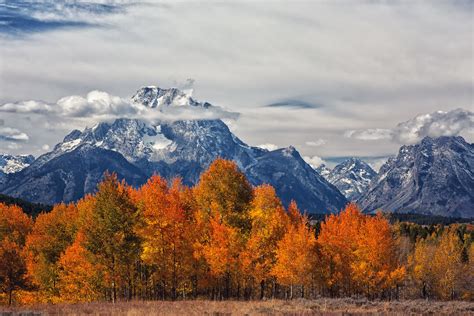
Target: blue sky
333,79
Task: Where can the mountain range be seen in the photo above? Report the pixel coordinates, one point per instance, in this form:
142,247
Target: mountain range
135,149
433,177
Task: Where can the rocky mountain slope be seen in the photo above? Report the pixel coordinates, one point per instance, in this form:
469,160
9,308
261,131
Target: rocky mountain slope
351,177
433,177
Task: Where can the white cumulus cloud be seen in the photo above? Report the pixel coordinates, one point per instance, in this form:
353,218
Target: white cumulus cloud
99,105
369,134
440,123
314,161
12,134
268,146
435,124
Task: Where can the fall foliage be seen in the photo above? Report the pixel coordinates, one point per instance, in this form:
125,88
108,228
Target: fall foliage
222,239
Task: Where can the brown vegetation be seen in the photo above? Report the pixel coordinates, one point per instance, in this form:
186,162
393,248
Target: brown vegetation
321,306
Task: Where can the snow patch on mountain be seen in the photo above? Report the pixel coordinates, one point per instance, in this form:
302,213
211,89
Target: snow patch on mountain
351,177
11,163
323,170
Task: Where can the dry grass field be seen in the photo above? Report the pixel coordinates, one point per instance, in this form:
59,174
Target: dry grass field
271,307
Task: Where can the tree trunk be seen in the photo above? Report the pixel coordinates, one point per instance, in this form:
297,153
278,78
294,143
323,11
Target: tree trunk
262,289
10,294
114,292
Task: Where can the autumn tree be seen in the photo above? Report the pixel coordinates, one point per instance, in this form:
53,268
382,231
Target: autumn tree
225,187
166,218
222,251
110,236
14,224
12,268
79,279
359,254
268,221
296,255
447,265
338,242
420,265
375,267
52,233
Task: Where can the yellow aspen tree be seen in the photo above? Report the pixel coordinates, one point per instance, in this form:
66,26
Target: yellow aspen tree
269,222
447,265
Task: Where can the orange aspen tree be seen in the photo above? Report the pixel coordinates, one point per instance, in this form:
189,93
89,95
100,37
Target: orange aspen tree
14,224
337,242
14,227
79,279
167,239
222,253
296,255
375,267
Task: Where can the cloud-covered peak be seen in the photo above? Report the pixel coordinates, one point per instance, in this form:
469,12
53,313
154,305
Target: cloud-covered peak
160,98
439,123
149,103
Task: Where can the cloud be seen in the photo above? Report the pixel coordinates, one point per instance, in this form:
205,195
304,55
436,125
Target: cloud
26,107
268,146
14,146
99,105
316,143
435,124
369,134
294,103
366,65
12,134
314,161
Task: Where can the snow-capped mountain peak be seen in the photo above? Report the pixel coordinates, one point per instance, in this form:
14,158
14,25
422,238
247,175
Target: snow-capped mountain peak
435,176
134,139
159,98
351,177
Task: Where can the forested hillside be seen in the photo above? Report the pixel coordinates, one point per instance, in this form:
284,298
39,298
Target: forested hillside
221,239
31,209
